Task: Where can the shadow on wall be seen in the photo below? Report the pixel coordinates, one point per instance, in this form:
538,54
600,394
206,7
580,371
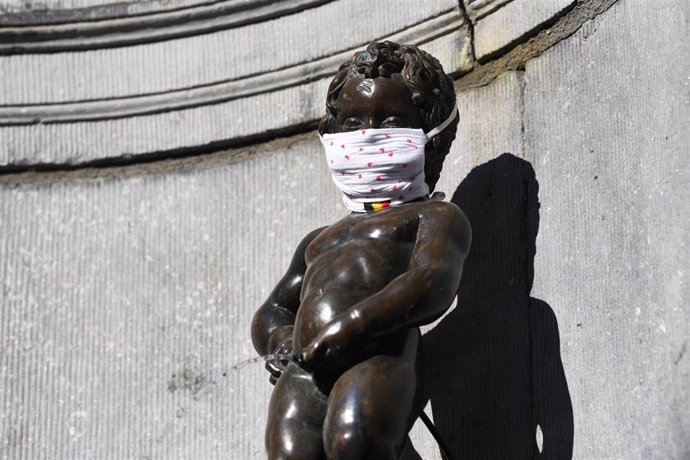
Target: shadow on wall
493,369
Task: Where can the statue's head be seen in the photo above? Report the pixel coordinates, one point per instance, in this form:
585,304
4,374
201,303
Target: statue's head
394,86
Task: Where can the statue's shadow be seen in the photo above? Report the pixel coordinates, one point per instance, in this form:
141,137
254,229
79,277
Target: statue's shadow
493,369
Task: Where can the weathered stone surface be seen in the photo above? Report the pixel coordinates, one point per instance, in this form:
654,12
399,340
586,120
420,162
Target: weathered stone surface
477,9
512,22
125,304
607,115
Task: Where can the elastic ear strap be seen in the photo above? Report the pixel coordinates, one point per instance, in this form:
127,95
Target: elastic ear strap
434,132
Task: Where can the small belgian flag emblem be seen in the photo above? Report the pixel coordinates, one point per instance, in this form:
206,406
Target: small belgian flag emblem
376,206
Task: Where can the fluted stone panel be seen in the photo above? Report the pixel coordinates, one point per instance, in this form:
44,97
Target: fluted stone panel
607,135
125,304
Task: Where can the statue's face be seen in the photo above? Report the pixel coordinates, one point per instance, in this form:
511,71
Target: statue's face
371,103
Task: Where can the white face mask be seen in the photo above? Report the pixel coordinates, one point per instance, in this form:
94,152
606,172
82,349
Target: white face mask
378,168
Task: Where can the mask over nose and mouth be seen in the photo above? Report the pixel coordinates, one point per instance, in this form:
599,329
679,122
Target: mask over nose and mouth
378,168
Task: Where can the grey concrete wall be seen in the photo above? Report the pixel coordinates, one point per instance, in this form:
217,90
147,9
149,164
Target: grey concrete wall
126,303
607,117
127,293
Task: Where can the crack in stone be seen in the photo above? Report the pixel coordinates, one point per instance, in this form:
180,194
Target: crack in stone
514,59
470,28
591,26
682,353
523,88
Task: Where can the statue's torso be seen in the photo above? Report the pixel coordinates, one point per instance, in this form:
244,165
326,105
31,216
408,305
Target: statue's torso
351,260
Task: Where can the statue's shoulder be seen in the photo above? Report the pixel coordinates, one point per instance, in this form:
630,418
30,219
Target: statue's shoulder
447,216
441,209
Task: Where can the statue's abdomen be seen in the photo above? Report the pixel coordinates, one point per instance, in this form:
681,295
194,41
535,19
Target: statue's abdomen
343,276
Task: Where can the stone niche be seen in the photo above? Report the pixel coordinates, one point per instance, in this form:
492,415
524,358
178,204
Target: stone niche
86,81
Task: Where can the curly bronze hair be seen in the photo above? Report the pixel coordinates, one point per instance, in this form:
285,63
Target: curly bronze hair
432,92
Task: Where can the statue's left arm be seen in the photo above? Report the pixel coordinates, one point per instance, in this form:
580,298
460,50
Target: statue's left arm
418,296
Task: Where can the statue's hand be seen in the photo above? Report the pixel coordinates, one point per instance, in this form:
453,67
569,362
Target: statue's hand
332,348
277,366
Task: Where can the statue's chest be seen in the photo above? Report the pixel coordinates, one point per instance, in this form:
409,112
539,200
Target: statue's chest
384,229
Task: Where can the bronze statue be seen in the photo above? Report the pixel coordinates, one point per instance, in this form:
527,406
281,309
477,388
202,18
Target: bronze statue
349,307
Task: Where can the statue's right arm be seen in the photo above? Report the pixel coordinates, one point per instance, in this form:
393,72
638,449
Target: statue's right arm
273,323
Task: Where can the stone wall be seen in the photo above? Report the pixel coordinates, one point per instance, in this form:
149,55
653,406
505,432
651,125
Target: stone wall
196,76
133,251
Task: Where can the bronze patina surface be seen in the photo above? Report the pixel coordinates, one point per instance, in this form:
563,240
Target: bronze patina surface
350,304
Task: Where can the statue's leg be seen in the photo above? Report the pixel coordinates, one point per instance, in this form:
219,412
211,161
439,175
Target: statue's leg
373,404
295,418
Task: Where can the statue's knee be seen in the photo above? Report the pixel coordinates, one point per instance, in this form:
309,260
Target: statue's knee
294,445
346,442
340,442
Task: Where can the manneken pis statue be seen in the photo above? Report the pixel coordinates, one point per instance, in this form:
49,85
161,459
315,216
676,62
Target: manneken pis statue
349,307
